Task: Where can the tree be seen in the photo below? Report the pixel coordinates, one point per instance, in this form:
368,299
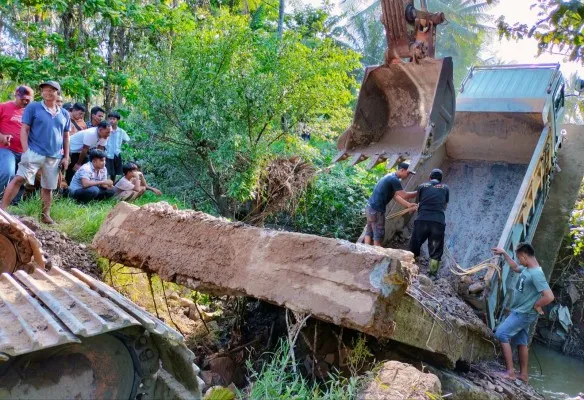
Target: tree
226,99
559,28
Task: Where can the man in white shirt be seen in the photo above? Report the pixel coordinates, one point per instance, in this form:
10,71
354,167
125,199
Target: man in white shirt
113,161
90,181
82,142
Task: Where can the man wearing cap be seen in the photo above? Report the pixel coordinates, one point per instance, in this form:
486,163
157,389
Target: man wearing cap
389,187
45,143
433,197
10,125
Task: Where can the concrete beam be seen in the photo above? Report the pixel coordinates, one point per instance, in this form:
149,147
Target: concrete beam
357,286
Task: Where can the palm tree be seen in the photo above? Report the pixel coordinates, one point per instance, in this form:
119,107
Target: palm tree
461,37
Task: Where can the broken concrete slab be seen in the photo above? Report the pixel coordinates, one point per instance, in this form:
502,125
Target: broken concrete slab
366,288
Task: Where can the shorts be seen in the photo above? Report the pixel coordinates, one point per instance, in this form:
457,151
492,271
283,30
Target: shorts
515,328
31,163
375,224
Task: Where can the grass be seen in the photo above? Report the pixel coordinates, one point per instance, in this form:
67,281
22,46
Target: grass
80,221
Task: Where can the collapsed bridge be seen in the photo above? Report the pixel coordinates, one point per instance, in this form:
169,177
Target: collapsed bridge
370,289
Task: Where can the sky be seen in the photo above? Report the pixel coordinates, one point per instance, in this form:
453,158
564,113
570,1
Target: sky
522,52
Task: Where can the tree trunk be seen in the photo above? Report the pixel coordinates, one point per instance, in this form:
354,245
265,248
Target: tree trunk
109,91
281,19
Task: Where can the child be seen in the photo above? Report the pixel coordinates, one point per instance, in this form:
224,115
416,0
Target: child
132,185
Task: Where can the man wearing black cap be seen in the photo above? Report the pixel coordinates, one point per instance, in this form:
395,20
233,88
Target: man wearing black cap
387,189
430,224
45,143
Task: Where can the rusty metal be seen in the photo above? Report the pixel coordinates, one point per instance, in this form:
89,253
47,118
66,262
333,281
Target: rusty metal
405,107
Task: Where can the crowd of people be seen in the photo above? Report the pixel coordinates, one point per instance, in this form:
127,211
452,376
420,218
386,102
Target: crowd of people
50,140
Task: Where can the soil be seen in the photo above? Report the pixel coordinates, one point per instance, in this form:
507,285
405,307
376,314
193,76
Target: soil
62,251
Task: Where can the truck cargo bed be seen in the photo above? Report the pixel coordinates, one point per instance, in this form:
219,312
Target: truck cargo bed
481,196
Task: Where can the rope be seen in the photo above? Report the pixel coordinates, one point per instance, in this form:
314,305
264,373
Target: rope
490,263
398,214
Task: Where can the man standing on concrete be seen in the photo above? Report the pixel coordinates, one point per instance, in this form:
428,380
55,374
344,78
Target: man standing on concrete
84,141
389,187
90,181
114,146
45,143
96,115
433,197
10,125
532,292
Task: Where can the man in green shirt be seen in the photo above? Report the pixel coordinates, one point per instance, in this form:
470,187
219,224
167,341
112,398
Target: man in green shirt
532,292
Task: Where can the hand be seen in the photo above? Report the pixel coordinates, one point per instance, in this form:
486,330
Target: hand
538,309
5,139
156,191
412,208
65,163
76,167
498,251
107,183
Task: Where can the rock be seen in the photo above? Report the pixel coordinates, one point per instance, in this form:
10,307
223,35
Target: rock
186,302
64,235
82,246
425,281
228,371
490,386
476,287
499,389
461,387
219,393
397,380
173,296
211,378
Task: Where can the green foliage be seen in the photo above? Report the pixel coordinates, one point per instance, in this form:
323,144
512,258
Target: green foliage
559,28
237,95
577,224
277,380
359,355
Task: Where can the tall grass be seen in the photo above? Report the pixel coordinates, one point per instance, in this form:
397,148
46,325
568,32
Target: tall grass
80,221
277,380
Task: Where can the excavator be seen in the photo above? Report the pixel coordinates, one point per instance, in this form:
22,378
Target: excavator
65,335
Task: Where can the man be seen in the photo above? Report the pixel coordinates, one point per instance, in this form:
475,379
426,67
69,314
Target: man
433,197
10,125
133,184
60,101
114,146
388,188
90,181
532,292
96,115
77,118
45,143
69,107
84,141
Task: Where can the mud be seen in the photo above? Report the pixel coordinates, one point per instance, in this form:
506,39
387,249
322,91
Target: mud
62,251
481,197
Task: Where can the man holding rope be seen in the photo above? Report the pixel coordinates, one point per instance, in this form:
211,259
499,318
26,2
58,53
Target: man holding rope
388,188
433,197
532,292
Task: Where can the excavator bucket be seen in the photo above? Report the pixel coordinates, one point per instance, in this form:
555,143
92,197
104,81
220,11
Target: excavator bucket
405,110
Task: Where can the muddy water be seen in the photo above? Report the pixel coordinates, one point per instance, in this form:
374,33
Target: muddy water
563,377
481,196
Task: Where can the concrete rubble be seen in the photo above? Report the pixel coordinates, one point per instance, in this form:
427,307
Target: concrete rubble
370,289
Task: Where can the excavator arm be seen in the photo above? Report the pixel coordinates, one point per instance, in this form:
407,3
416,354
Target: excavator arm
406,106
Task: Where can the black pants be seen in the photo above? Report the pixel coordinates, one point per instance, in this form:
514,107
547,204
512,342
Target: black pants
431,231
70,171
91,193
114,167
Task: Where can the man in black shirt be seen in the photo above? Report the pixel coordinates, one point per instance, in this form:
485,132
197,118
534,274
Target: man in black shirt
433,197
389,187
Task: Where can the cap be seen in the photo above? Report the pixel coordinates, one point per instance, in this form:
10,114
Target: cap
405,165
53,84
436,173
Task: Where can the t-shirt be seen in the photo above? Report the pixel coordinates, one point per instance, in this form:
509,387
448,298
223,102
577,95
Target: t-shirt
88,137
46,130
384,192
528,290
124,188
87,171
114,144
10,124
433,197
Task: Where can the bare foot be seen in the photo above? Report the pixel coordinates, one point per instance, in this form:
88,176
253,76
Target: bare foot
524,378
506,375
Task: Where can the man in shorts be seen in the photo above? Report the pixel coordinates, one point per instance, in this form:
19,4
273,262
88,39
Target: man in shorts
532,292
45,144
388,188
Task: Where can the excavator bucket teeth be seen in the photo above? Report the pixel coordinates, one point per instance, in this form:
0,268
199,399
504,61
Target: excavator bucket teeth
405,109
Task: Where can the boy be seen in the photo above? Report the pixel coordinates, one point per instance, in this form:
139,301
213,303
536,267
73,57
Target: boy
132,185
114,146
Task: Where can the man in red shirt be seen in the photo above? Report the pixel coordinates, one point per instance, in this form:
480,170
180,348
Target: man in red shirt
10,124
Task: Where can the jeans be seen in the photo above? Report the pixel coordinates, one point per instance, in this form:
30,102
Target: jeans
515,328
8,163
86,195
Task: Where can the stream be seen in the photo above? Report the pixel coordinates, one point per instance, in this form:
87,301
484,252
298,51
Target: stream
563,376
